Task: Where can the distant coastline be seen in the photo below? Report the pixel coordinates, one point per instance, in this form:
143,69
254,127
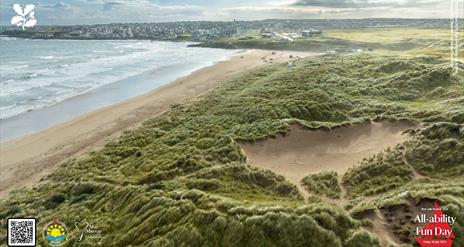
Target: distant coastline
200,31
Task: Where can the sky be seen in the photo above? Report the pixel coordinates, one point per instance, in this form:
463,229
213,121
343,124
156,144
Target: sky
70,12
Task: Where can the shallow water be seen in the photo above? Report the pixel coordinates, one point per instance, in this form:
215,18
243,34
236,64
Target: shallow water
45,82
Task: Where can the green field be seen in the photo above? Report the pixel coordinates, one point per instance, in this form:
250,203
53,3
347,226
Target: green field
417,41
405,42
181,179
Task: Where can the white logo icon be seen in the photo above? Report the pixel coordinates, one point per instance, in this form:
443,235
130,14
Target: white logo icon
24,18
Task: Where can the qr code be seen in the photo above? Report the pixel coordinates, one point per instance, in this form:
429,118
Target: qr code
21,232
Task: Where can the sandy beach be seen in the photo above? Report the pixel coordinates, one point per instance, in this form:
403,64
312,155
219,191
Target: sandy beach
25,160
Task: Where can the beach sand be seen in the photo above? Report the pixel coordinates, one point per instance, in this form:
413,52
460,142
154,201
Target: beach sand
25,160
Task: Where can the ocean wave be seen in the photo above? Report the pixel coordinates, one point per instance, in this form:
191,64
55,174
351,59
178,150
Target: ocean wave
13,67
46,57
97,51
7,38
6,82
70,69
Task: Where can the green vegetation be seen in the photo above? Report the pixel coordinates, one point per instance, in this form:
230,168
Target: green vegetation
360,239
182,180
318,44
400,41
184,36
438,151
391,35
323,183
385,171
413,41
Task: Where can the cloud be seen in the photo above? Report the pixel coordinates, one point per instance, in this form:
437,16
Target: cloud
328,3
109,5
258,13
343,9
142,11
52,6
109,11
368,3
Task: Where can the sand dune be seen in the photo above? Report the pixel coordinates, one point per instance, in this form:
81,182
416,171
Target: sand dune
25,160
303,152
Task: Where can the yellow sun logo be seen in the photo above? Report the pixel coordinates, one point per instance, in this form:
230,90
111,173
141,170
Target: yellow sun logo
55,230
55,233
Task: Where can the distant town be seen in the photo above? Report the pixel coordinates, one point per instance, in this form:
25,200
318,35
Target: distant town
209,30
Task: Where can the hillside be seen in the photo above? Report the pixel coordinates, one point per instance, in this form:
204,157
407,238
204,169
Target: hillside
182,179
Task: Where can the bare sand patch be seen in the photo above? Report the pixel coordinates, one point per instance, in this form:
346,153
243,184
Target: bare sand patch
302,151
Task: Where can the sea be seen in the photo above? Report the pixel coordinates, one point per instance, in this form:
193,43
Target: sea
46,82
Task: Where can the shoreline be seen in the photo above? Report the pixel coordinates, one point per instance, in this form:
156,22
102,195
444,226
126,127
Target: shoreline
33,121
103,86
27,159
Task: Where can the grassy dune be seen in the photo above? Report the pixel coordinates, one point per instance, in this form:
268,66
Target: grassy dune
182,180
323,183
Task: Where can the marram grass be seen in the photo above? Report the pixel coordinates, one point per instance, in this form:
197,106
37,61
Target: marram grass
182,180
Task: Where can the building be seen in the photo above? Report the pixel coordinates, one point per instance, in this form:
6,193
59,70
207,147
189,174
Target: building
311,33
266,34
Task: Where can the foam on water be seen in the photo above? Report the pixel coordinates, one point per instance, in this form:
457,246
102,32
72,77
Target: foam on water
36,74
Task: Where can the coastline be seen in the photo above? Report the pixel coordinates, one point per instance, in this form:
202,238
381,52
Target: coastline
70,87
25,160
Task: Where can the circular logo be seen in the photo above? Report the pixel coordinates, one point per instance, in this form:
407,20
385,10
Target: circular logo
55,233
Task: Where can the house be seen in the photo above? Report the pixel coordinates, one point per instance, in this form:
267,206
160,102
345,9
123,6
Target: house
75,33
266,34
311,33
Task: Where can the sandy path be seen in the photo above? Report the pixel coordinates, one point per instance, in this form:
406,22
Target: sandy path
25,160
303,152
